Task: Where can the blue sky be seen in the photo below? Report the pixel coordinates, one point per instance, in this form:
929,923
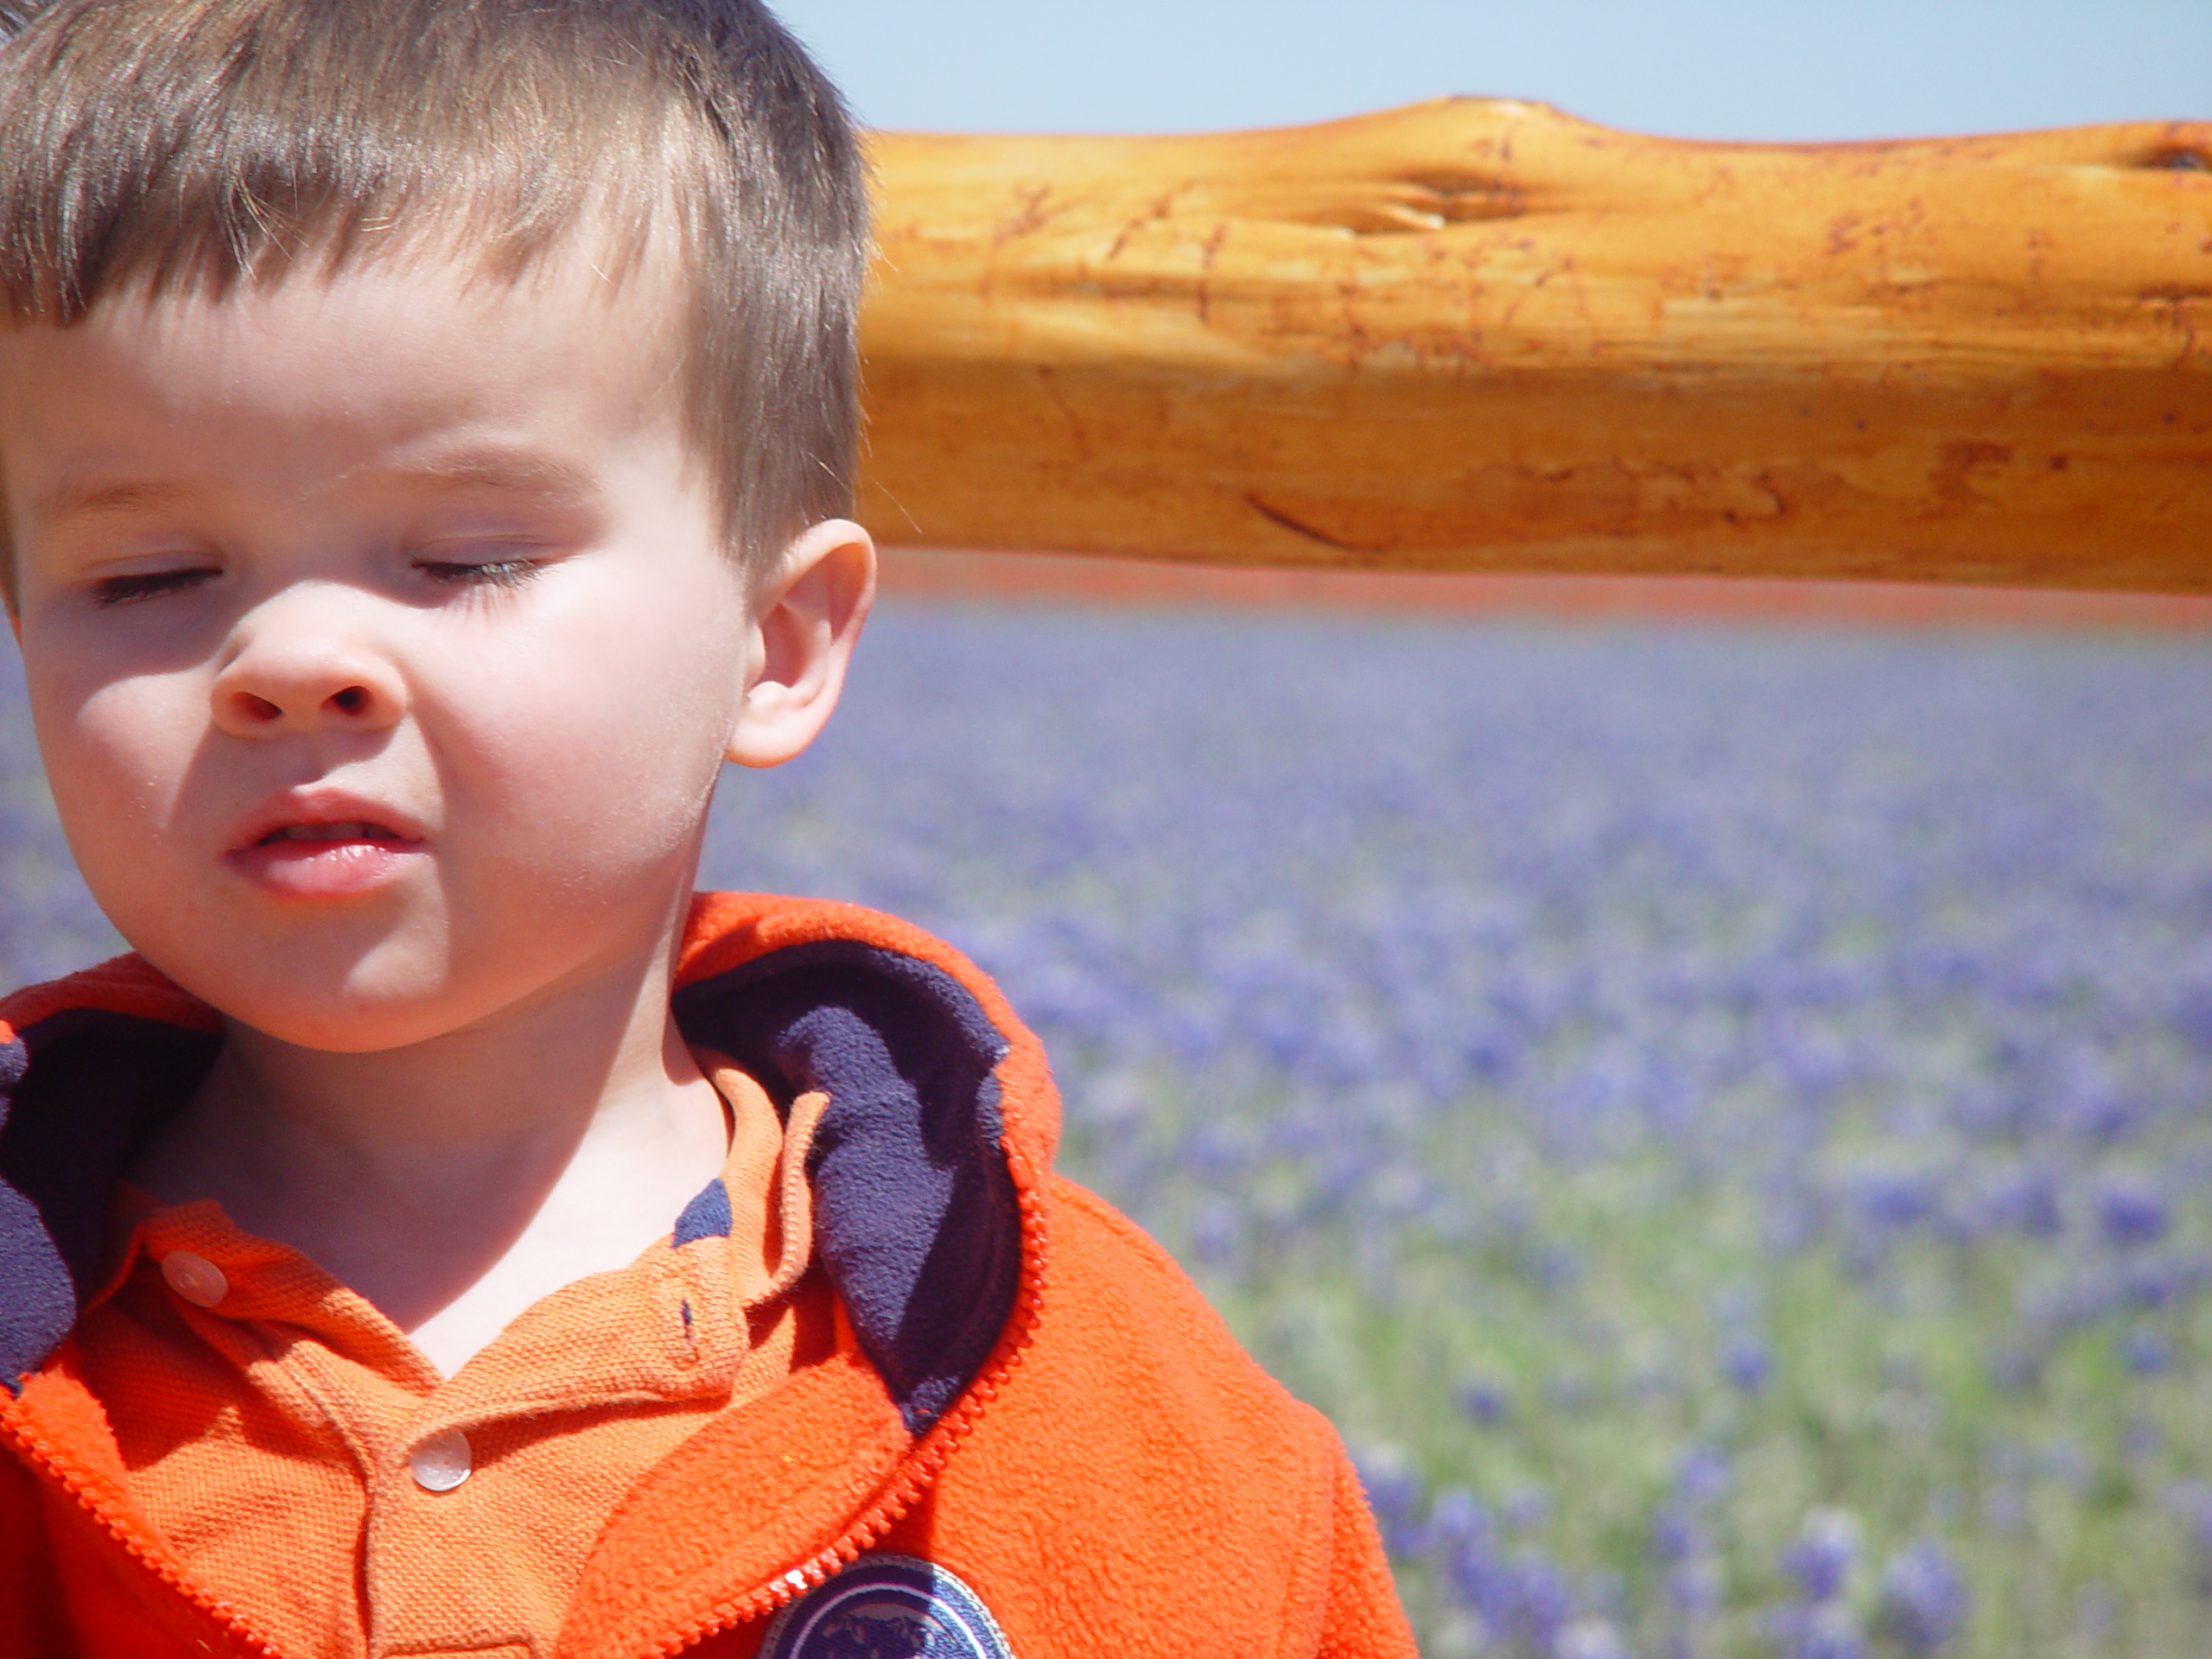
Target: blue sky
1777,69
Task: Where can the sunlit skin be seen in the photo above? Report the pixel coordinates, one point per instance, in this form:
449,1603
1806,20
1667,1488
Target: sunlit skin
384,649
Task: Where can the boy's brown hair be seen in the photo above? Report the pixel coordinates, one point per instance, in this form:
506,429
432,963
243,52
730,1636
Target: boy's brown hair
175,146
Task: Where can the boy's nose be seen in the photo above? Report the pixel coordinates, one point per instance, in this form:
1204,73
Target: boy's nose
274,685
251,712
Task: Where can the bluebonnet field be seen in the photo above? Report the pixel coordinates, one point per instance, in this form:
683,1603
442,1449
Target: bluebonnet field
1721,1119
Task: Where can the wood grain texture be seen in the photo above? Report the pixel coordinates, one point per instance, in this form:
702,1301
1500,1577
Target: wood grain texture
1479,334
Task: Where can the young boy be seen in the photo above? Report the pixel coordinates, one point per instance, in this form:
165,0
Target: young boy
425,431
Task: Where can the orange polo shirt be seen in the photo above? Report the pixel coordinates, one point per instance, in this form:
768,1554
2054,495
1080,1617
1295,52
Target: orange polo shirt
311,1468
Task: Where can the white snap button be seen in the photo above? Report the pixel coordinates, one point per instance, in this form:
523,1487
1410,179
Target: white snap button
442,1462
196,1278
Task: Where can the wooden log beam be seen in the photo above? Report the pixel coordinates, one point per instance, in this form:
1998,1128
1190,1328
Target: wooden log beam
1478,334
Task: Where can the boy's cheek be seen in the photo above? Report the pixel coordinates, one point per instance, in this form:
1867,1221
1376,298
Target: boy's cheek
620,710
116,787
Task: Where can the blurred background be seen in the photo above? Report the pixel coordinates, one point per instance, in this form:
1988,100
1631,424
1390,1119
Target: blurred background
1712,1095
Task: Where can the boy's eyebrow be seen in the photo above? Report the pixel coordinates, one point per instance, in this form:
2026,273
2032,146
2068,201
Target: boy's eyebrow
519,471
90,496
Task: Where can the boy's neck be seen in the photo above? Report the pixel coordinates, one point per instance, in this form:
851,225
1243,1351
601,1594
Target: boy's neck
455,1181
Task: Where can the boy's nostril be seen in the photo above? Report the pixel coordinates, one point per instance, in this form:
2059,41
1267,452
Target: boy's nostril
351,699
258,708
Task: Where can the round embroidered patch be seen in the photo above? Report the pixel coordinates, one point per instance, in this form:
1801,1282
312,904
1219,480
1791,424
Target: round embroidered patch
887,1607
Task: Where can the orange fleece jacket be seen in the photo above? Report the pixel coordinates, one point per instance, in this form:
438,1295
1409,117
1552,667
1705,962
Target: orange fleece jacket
1032,1437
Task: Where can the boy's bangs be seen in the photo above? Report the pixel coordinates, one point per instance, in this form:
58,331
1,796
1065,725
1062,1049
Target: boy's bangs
246,140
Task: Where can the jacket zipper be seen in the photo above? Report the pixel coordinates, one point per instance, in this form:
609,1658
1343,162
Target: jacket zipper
221,1613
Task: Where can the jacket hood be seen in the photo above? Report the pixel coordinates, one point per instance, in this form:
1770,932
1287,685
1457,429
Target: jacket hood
942,1120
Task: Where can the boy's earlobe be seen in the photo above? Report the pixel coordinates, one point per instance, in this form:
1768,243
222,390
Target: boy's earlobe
806,615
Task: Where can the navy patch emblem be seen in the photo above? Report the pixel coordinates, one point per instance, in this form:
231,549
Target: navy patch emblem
887,1607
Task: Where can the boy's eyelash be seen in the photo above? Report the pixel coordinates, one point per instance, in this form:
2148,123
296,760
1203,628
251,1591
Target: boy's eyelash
494,573
122,590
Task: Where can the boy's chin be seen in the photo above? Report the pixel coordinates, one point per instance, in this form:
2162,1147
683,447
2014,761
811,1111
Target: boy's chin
398,1000
354,1008
397,975
367,1026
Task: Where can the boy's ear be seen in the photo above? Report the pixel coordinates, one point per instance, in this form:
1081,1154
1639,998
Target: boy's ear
807,614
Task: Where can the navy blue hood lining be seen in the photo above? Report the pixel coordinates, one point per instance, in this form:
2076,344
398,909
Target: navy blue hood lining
915,1216
80,1091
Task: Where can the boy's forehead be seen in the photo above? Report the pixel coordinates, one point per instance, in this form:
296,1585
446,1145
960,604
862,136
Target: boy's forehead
434,334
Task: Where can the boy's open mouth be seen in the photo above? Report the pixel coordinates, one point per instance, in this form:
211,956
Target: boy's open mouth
361,831
332,858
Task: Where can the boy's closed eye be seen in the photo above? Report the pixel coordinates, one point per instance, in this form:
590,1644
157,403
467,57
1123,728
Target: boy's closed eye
138,585
491,566
517,566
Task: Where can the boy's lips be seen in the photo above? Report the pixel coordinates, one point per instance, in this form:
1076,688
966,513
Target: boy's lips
349,830
325,848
